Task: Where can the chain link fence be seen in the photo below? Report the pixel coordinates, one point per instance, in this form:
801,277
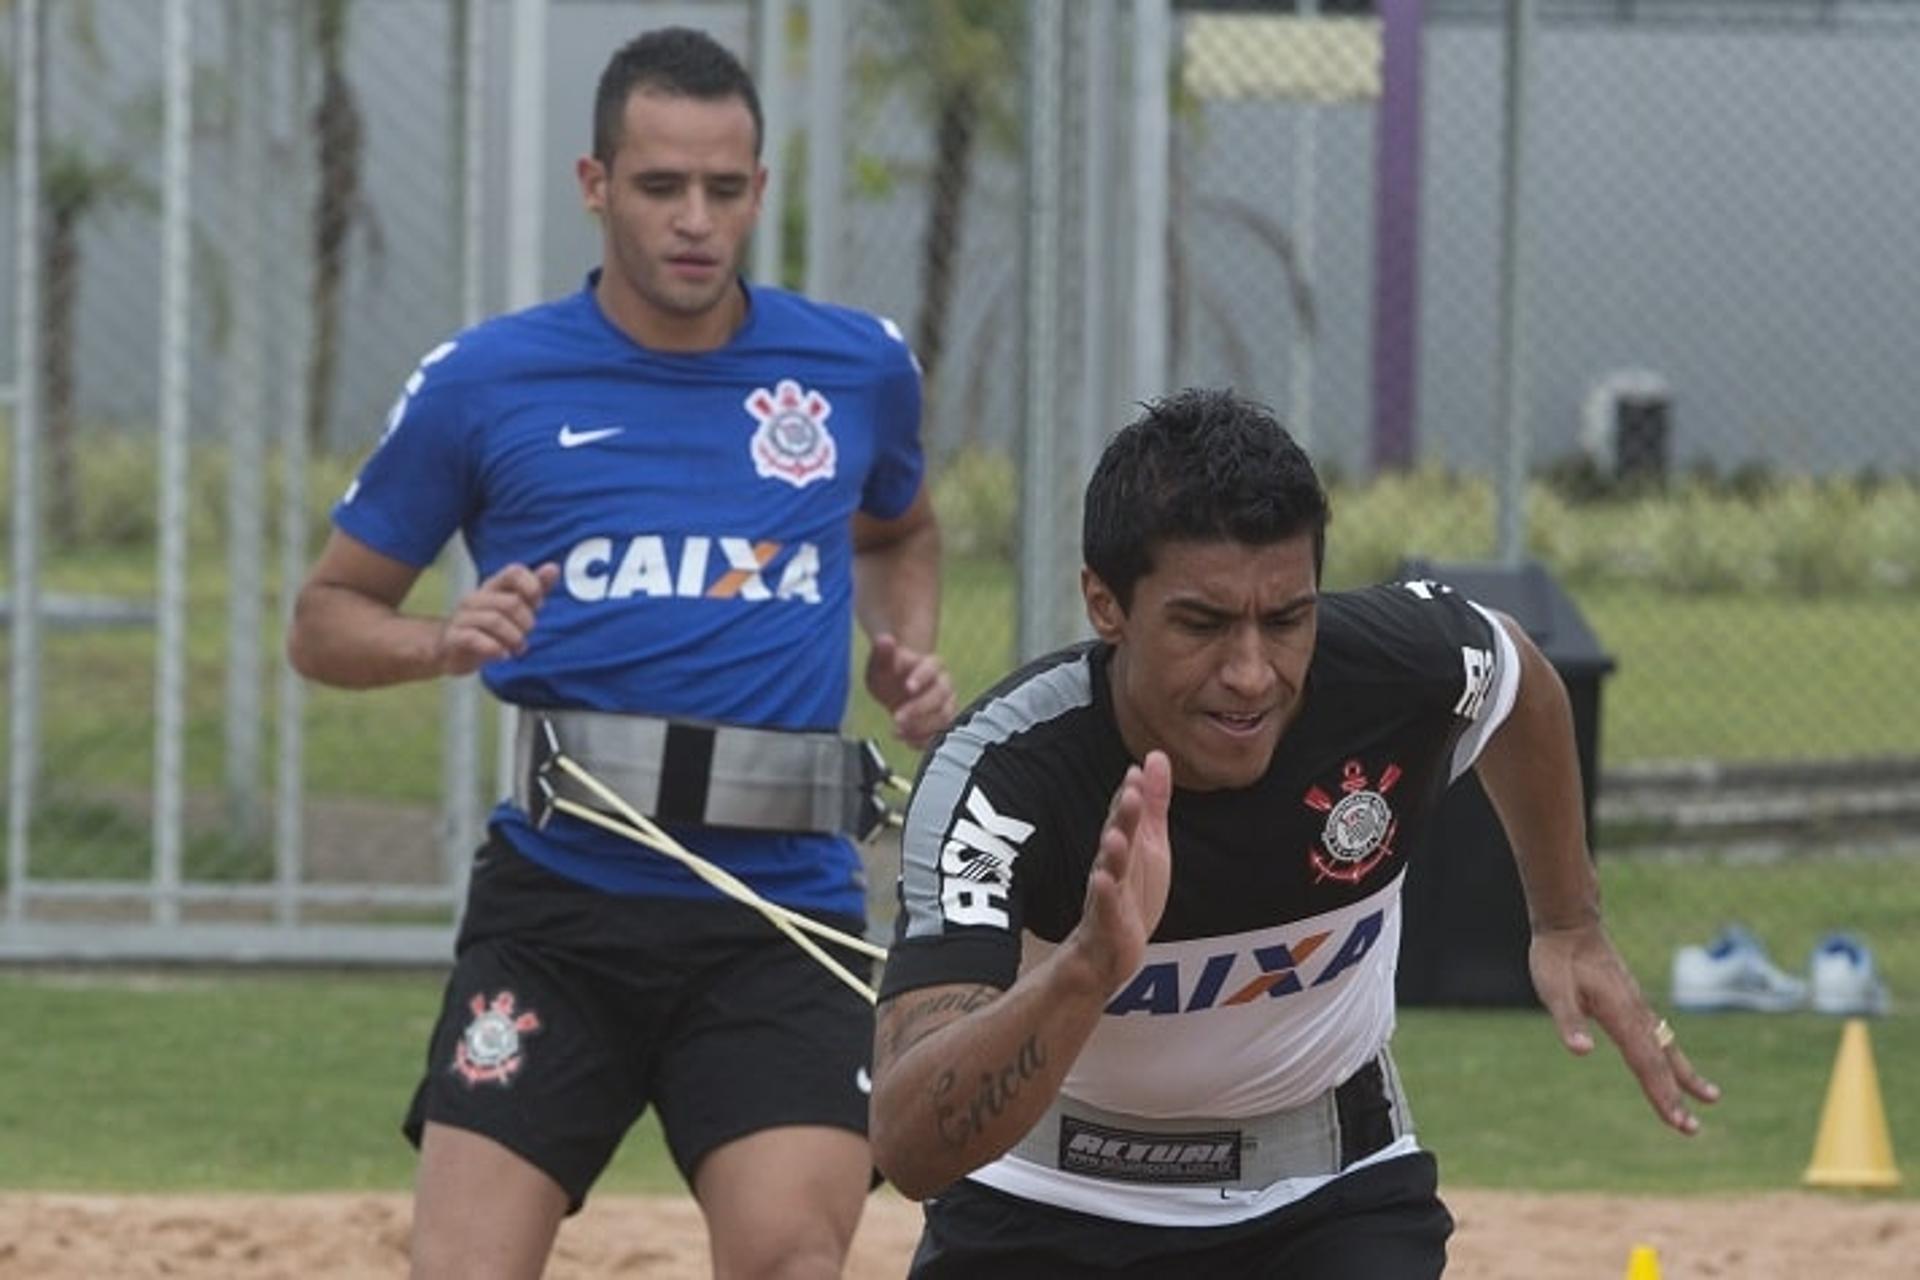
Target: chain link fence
1613,287
249,225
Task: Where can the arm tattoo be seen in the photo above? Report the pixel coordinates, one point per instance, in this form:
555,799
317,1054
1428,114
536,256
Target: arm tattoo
906,1026
960,1122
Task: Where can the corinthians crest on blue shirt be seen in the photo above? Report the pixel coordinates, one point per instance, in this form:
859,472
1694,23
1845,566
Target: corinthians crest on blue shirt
792,442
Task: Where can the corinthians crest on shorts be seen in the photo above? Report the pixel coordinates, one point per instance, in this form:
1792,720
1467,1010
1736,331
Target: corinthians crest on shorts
489,1049
1358,834
792,442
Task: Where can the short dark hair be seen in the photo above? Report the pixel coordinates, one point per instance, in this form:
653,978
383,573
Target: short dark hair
679,62
1199,465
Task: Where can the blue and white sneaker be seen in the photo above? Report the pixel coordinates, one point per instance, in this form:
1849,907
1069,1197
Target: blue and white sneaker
1843,977
1733,972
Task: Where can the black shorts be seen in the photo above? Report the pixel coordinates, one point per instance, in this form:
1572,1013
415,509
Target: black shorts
1381,1222
570,1011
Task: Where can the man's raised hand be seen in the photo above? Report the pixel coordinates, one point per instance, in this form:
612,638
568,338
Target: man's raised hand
914,686
493,620
1127,887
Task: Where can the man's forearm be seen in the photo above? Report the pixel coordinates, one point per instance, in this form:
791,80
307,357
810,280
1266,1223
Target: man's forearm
343,638
1531,773
897,588
963,1094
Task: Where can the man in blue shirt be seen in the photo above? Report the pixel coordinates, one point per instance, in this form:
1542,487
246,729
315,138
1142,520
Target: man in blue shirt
678,489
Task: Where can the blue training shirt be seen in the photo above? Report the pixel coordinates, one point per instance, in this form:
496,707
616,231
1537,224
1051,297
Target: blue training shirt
699,506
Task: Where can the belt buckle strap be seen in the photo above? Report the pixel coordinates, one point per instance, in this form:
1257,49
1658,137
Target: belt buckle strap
871,773
543,749
701,774
1366,1113
1318,1138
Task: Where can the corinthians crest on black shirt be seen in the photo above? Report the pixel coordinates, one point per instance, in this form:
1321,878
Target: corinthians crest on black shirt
1358,835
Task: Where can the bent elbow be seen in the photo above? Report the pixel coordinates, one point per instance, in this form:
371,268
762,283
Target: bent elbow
895,1158
297,656
306,639
914,1184
913,1190
299,643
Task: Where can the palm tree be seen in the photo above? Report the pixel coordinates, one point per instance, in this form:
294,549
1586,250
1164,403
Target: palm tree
960,60
80,185
339,140
76,187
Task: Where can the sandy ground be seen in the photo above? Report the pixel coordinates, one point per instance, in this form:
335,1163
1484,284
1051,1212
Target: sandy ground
1501,1236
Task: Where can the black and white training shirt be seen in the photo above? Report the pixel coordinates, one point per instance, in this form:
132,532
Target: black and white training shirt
1270,978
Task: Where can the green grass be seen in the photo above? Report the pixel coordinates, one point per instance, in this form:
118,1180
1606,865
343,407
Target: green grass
98,694
1755,677
274,1081
1655,904
297,1082
193,1081
1505,1106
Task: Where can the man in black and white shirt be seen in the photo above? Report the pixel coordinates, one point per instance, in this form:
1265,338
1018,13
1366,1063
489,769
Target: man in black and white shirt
1138,1006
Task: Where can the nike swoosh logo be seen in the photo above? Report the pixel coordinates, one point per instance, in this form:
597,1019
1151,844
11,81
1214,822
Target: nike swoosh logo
862,1081
571,439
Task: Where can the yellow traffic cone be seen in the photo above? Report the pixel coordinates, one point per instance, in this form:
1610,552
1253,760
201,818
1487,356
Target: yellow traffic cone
1643,1263
1853,1148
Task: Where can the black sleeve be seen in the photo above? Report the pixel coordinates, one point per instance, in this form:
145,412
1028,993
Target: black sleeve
1426,636
969,855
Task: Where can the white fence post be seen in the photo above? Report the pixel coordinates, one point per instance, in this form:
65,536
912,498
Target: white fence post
175,249
23,719
1040,573
1152,36
826,128
244,370
460,699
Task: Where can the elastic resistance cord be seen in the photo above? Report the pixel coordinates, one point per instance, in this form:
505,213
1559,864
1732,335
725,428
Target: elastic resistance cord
637,827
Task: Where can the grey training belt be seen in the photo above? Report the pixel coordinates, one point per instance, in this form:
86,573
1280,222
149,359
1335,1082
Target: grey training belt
1247,1153
703,774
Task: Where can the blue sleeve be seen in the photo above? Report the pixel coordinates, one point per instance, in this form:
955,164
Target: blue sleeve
898,464
414,490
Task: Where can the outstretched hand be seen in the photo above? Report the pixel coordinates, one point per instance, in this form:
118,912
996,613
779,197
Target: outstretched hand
1127,887
914,686
1578,975
493,620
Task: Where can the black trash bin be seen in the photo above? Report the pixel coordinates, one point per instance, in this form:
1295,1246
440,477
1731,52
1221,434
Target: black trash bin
1464,928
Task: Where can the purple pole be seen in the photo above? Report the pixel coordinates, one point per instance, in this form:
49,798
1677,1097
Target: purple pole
1396,236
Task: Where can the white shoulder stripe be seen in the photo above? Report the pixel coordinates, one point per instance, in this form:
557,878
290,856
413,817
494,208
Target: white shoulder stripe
1047,696
1504,687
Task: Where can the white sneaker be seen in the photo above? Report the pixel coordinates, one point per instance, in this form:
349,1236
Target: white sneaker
1733,972
1843,977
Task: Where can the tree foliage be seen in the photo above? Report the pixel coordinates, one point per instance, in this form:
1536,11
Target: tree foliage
339,204
958,62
